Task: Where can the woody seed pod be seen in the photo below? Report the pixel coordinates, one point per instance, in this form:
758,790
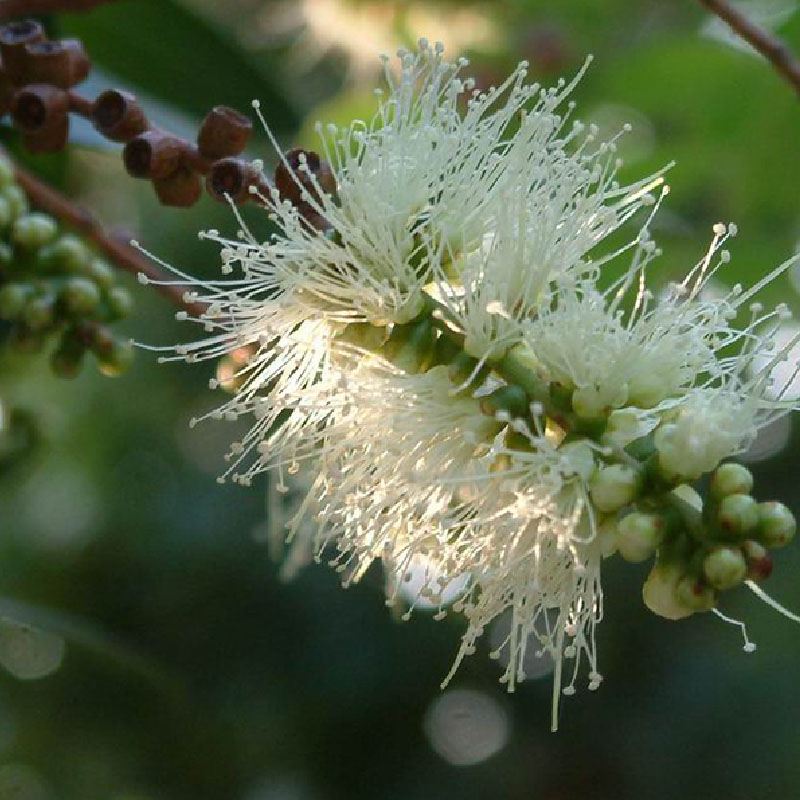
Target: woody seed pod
224,132
13,39
153,154
59,63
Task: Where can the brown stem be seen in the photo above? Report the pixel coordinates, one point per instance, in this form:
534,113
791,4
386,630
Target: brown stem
123,255
772,48
10,9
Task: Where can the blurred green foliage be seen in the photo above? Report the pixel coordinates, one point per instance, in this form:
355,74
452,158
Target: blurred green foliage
191,671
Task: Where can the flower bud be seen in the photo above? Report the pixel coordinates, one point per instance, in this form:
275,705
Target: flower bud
34,230
118,116
410,346
737,514
759,561
725,567
776,524
17,199
731,478
39,312
639,535
116,359
6,173
80,296
13,297
509,399
120,302
614,486
67,359
101,272
67,254
694,594
589,402
606,537
224,132
646,389
660,592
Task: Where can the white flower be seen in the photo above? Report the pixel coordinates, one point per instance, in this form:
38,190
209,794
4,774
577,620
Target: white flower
472,400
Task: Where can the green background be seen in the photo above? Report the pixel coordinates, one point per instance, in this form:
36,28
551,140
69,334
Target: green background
191,671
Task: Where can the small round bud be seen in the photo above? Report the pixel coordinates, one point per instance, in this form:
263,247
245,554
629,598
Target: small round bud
66,361
659,592
510,399
116,360
32,231
725,567
639,535
614,486
694,594
737,514
776,524
120,302
6,213
67,254
39,312
6,173
13,297
731,479
17,199
646,389
101,272
606,537
759,561
80,296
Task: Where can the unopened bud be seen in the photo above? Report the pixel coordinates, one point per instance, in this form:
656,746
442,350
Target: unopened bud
695,594
13,297
660,592
510,399
614,486
737,515
725,567
729,479
33,231
17,199
80,296
776,524
759,561
39,312
120,302
639,535
116,360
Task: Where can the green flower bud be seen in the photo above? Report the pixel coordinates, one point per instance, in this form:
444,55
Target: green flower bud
589,403
606,537
32,231
731,479
410,345
660,591
101,272
725,567
39,312
67,254
27,341
67,360
17,199
510,399
117,359
6,254
639,535
694,594
759,561
6,213
80,296
614,486
6,173
776,524
646,389
13,297
737,515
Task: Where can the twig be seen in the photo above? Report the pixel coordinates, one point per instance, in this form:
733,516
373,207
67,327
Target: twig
773,49
11,9
123,255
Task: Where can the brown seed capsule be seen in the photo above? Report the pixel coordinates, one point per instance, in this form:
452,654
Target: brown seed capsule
13,39
118,115
232,177
37,107
294,180
51,139
183,188
61,63
224,132
153,154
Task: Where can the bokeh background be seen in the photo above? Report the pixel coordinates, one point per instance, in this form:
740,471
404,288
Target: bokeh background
149,650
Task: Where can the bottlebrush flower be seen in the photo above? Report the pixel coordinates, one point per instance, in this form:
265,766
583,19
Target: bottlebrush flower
431,336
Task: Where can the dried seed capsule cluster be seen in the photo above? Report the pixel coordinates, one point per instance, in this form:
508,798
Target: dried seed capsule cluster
52,286
38,77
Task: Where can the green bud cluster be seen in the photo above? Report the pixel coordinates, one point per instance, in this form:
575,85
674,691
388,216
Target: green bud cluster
53,287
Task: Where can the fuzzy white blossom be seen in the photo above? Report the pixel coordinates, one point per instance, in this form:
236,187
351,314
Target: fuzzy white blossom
474,403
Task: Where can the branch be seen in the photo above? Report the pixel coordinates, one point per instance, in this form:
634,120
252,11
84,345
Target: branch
772,48
10,9
123,255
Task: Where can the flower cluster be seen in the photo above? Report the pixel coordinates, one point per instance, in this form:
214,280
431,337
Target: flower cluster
480,391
